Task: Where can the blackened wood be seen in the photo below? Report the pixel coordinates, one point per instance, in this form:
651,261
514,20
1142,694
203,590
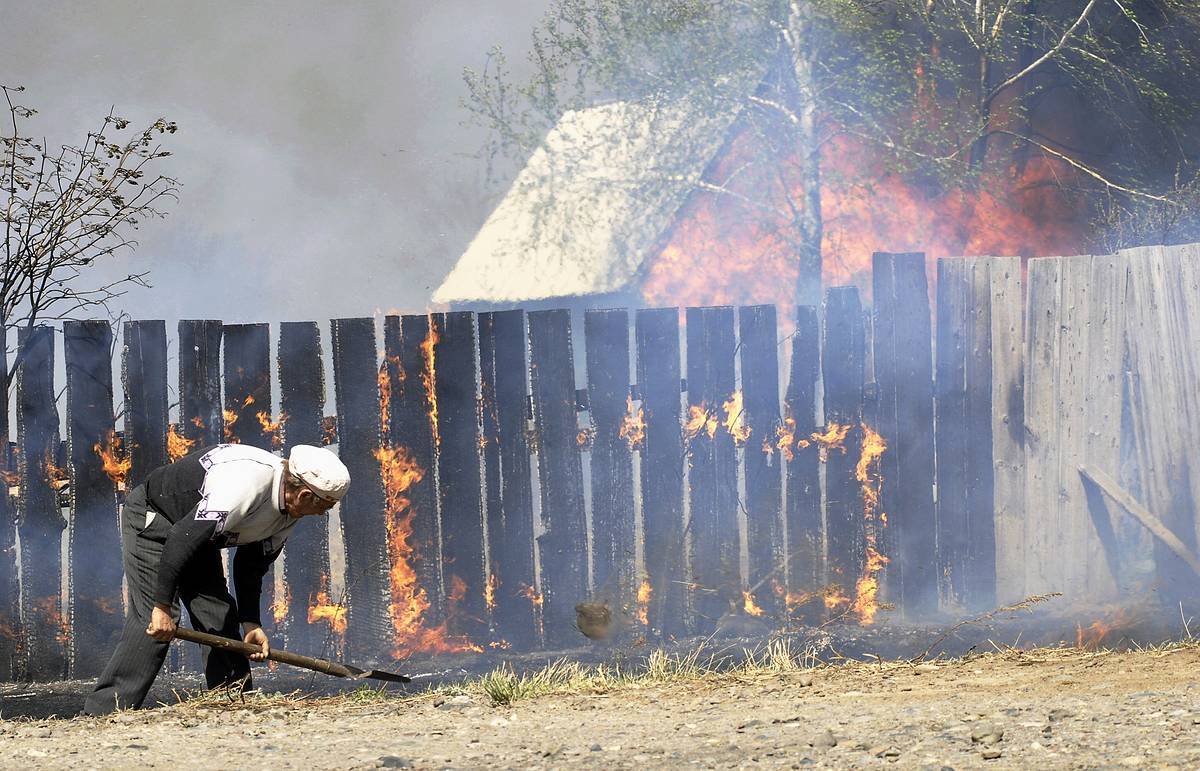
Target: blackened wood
306,555
842,359
759,351
200,382
806,554
95,617
10,625
903,366
41,521
144,376
459,492
607,342
364,524
665,552
502,354
712,473
410,426
563,544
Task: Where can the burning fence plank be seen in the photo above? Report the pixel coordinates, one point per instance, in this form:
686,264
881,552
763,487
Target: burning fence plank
306,558
712,472
144,380
658,376
806,556
97,469
502,349
563,545
40,519
607,342
843,370
368,592
903,362
9,579
764,480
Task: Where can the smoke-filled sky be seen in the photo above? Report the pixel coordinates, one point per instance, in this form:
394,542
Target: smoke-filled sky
325,166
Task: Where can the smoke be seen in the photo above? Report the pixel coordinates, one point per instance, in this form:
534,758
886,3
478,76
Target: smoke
324,166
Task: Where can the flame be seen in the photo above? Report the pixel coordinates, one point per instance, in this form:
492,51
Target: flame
833,437
231,418
50,609
785,438
643,602
868,474
272,428
429,378
489,591
502,645
633,425
533,595
177,444
699,419
749,605
322,608
834,597
329,430
735,418
585,437
56,477
1092,636
116,462
198,422
279,607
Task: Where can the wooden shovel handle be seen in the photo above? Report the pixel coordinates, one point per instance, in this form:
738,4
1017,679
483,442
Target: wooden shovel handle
282,656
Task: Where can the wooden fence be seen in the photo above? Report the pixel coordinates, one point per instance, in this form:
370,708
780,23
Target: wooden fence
684,481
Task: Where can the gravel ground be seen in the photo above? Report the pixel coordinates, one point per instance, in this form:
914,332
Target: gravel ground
1046,708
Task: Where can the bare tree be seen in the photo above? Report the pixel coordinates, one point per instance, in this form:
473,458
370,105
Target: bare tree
69,208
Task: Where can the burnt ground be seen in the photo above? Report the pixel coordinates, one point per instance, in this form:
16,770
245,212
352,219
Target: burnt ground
996,706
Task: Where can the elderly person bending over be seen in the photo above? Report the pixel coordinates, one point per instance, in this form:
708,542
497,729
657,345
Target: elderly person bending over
172,530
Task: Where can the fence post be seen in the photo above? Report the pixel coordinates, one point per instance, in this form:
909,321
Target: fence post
806,553
9,583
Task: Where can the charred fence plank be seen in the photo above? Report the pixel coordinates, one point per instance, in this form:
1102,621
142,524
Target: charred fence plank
903,363
367,592
459,491
712,473
502,353
41,520
806,554
665,552
306,555
842,359
562,547
609,400
200,417
764,464
144,376
95,616
10,587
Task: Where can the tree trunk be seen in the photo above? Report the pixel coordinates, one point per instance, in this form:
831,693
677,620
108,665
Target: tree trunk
803,53
980,146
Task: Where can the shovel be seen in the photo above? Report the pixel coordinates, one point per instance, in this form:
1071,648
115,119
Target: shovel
335,668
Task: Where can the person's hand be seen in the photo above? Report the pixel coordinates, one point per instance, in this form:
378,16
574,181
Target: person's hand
162,626
254,635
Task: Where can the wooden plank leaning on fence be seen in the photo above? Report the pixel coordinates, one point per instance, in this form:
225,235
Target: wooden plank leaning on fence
41,521
806,553
662,464
1164,361
562,548
1073,394
459,484
516,618
759,349
363,519
306,556
903,361
713,468
842,358
10,624
609,401
94,534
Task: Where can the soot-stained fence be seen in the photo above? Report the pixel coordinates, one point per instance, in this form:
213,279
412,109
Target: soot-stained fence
712,463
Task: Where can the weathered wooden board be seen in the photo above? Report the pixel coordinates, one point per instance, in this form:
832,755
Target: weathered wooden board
503,374
712,472
10,587
609,400
459,493
759,350
955,330
306,555
805,533
562,547
364,524
662,462
41,520
903,368
842,366
95,611
1163,327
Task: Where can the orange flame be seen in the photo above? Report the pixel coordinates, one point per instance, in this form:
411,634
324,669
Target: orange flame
868,474
50,609
429,378
699,419
749,605
56,477
177,444
329,430
231,418
643,602
833,437
322,608
279,607
585,437
112,455
533,595
834,597
489,591
785,438
633,425
273,429
1093,636
735,418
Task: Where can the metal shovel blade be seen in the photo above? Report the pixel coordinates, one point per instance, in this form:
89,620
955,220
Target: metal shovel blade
377,674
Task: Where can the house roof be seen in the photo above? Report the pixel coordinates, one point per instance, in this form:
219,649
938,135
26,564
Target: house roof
589,205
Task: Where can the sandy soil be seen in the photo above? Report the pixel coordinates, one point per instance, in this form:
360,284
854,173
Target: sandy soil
1039,709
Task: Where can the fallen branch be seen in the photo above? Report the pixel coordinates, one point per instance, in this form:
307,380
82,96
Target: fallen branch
1024,604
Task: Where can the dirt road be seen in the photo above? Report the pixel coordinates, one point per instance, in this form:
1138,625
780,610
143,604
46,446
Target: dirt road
1039,709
